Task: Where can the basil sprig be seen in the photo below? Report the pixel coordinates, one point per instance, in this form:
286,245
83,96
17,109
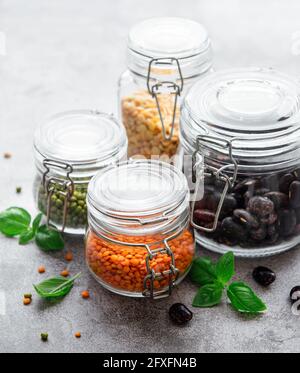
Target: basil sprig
16,221
213,278
55,287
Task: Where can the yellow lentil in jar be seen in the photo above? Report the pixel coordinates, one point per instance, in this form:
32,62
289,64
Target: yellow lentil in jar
143,125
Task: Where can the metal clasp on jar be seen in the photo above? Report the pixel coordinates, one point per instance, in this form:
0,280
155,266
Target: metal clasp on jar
152,276
218,173
54,184
161,86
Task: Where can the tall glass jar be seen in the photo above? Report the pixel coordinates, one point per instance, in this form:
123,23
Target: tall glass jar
139,241
165,56
70,148
240,134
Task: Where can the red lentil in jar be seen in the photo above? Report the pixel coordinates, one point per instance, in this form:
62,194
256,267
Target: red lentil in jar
139,241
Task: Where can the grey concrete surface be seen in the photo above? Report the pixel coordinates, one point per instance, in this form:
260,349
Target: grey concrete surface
64,54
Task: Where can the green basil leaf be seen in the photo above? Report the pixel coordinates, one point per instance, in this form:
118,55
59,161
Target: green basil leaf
48,239
203,271
225,267
36,222
14,221
208,295
26,236
244,299
55,287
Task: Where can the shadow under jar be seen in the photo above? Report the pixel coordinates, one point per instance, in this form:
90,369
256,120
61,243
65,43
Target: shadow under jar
240,133
70,148
139,242
165,56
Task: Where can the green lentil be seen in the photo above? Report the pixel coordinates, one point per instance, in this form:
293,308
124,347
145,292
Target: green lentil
44,337
77,210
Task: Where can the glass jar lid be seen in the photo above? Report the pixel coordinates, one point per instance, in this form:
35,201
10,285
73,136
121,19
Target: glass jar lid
85,139
138,197
257,110
169,37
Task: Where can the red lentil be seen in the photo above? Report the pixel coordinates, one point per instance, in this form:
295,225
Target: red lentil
64,273
125,267
41,269
85,294
69,256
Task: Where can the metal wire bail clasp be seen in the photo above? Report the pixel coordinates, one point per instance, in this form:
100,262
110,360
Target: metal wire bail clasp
172,273
218,173
55,184
162,86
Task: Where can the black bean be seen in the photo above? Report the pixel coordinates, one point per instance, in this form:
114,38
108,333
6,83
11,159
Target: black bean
239,200
247,184
263,275
287,222
285,182
279,199
259,234
297,212
296,230
229,203
180,314
271,182
296,173
294,194
261,191
273,234
245,218
247,196
233,230
261,206
295,294
203,216
212,201
270,219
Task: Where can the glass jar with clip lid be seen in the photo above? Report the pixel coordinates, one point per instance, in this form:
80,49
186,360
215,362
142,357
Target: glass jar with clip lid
242,130
70,148
139,242
165,56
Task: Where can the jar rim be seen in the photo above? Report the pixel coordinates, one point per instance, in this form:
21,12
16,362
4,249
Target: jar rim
256,109
180,39
84,139
138,196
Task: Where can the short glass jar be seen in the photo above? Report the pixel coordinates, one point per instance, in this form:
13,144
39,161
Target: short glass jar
240,135
70,148
139,242
165,56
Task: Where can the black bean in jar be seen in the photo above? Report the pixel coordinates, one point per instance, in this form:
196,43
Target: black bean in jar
257,211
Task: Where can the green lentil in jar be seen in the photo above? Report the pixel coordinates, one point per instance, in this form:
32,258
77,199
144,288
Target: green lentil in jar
77,211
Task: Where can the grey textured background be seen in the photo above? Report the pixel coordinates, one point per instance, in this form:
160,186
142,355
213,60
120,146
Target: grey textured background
64,54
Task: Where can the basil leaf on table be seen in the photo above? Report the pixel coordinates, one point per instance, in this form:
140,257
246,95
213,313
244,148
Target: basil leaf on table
203,271
48,239
55,287
14,221
225,267
26,236
36,222
244,299
208,295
